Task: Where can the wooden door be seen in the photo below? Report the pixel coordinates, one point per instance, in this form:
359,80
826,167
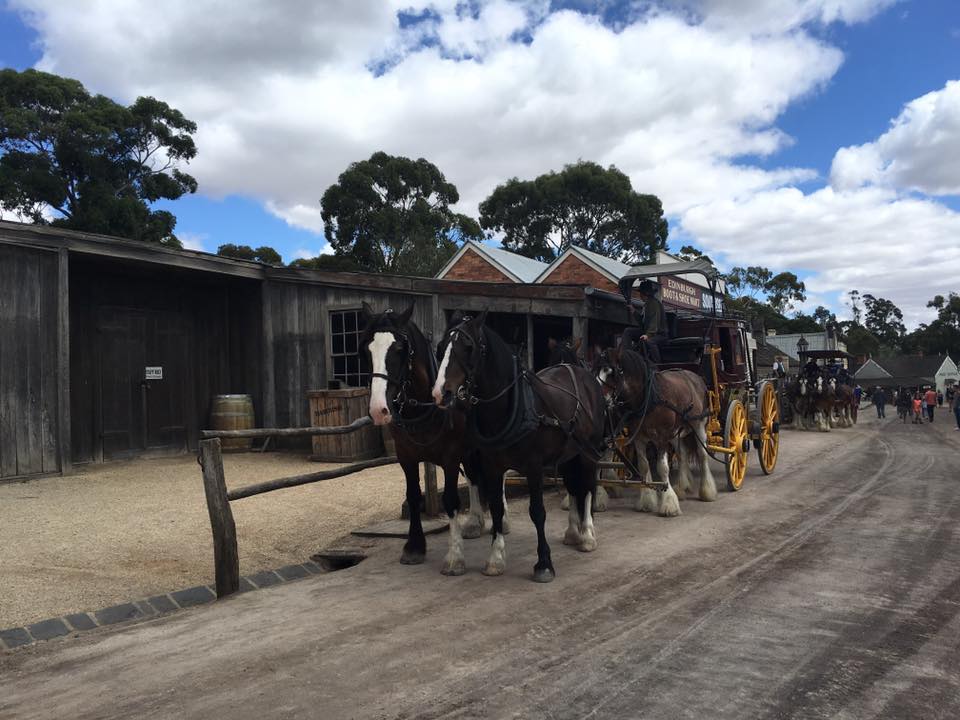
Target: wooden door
137,414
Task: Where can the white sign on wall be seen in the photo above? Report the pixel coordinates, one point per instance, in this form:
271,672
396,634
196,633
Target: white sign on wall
153,373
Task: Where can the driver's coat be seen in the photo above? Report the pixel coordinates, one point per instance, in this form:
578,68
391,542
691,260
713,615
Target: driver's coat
379,346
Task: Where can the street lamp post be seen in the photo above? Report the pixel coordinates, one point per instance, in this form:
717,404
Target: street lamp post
802,346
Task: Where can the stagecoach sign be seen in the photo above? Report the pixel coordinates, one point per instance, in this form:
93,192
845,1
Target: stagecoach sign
680,293
153,373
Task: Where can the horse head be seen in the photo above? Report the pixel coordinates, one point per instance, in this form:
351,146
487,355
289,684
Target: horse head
386,337
606,370
802,383
460,351
564,351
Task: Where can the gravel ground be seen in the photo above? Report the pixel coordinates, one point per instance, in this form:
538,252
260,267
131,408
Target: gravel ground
123,531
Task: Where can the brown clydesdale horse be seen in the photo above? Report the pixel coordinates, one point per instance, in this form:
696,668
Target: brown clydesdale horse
661,410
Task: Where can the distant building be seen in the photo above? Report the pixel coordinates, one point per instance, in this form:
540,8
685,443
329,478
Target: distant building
815,341
910,371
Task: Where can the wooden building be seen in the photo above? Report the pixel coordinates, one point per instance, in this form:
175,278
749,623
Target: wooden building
113,348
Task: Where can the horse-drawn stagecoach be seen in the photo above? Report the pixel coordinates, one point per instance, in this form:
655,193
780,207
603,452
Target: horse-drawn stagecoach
472,404
715,345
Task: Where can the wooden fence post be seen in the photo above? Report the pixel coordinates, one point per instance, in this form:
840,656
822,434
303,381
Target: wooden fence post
432,503
225,557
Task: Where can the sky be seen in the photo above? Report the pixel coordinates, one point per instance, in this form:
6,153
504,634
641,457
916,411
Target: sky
816,136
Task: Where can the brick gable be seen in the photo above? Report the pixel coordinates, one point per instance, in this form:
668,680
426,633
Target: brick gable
472,266
574,271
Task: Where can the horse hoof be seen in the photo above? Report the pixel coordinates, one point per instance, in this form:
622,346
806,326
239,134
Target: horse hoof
572,537
472,527
412,557
647,502
493,569
543,575
457,567
589,544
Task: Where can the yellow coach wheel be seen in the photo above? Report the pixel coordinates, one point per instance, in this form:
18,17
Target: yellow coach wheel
769,447
736,439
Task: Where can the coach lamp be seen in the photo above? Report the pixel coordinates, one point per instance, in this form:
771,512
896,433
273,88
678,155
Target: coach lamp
802,346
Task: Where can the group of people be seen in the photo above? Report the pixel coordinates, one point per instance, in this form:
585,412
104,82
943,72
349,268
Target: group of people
918,403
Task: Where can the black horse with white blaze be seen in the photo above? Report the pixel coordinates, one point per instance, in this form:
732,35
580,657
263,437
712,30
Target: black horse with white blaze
522,421
403,373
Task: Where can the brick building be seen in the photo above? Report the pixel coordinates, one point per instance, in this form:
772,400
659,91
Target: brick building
577,266
479,262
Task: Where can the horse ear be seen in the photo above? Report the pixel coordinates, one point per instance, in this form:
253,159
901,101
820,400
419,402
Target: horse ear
404,317
455,319
551,344
576,344
367,312
480,319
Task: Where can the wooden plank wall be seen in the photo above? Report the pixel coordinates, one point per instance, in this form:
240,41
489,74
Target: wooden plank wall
223,323
299,314
28,361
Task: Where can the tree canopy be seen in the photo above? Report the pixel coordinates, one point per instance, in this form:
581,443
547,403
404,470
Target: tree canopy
757,285
583,205
884,320
85,162
262,254
392,214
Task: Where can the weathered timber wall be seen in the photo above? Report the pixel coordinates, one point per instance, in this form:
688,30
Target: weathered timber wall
300,315
28,361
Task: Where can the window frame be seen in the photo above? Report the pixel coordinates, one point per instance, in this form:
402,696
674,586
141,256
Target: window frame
363,370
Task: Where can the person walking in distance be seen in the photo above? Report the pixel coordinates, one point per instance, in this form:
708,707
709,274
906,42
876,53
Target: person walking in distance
931,398
917,409
880,401
939,398
955,406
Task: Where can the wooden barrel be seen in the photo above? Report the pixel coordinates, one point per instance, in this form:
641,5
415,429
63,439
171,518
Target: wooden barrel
341,407
232,412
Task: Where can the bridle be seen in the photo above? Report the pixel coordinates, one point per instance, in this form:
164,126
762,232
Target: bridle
403,398
466,393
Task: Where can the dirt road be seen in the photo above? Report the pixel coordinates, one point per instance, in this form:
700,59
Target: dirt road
830,589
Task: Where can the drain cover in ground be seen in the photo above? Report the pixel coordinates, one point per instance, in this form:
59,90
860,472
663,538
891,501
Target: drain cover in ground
398,528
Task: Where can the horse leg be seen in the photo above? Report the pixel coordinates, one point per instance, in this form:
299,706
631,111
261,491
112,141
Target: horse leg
453,563
543,571
505,523
708,487
647,502
497,562
683,467
415,549
587,480
471,525
572,535
669,503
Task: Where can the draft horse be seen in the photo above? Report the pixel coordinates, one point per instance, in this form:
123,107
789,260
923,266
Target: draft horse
523,421
404,369
663,409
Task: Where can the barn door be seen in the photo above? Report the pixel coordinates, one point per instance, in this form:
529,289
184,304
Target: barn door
143,382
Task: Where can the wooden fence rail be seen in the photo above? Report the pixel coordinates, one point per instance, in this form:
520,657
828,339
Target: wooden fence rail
226,558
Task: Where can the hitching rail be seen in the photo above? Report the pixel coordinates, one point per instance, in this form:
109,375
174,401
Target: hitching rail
226,559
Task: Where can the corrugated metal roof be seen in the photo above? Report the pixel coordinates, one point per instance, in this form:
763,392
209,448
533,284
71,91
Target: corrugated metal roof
527,269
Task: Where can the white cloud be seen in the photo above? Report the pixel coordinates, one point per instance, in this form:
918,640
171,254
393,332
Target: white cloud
308,254
194,241
679,96
901,248
919,151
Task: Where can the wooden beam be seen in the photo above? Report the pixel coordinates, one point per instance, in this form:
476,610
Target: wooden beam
226,560
530,341
432,499
64,437
289,432
268,382
296,480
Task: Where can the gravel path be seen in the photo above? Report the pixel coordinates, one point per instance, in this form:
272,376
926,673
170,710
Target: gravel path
122,531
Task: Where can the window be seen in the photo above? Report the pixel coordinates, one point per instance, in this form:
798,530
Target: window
350,365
